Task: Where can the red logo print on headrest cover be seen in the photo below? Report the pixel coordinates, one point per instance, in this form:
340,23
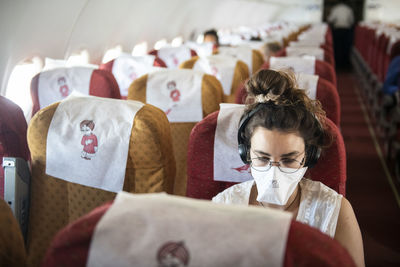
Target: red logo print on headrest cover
64,90
174,94
89,140
175,60
214,71
173,254
242,169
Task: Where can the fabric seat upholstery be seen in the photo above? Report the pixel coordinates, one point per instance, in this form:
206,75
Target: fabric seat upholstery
322,69
12,248
211,94
102,83
305,246
241,73
55,202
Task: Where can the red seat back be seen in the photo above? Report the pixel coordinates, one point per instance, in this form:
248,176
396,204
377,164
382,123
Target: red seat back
13,141
305,246
161,63
322,69
330,169
328,56
109,65
102,83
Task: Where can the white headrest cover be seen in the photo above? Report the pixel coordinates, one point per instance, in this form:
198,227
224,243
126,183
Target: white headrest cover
243,53
317,52
220,66
227,163
173,56
165,230
177,93
56,84
86,147
296,64
128,68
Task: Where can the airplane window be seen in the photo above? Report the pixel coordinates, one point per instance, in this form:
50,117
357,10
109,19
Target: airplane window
140,49
18,87
159,44
81,58
112,53
177,41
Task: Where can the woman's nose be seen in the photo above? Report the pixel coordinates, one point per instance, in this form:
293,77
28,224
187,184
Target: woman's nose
274,163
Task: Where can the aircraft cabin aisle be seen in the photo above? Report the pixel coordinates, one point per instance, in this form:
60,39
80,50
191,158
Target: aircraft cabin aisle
375,201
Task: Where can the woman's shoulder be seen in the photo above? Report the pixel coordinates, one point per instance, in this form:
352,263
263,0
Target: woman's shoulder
320,206
236,194
317,187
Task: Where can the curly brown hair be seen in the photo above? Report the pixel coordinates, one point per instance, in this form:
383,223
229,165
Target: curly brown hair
286,108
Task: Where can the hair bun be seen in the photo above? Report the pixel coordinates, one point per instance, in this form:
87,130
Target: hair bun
268,85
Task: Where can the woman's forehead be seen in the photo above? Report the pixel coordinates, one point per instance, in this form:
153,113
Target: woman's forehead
276,140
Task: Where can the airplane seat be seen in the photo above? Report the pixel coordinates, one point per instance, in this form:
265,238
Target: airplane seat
127,68
228,70
12,248
12,135
172,57
134,148
320,53
280,53
205,181
304,245
381,63
252,57
378,56
326,93
257,60
109,65
329,36
186,96
321,68
310,43
48,87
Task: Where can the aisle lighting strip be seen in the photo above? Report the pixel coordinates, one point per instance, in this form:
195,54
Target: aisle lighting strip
378,148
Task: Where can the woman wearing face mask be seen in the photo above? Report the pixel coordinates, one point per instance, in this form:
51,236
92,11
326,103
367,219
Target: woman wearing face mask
281,134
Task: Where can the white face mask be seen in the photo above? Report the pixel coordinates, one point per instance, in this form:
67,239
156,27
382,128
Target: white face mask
275,186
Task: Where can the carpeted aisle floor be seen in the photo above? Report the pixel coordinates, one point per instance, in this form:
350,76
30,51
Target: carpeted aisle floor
368,188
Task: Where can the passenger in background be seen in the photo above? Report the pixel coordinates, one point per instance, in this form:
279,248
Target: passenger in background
270,49
391,84
281,134
211,36
341,18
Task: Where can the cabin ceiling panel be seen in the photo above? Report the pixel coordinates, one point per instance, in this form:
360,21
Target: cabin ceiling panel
58,28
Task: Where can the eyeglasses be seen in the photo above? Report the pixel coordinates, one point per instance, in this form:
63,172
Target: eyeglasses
286,165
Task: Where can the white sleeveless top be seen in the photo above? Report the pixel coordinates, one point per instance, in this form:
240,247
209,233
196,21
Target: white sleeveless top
319,204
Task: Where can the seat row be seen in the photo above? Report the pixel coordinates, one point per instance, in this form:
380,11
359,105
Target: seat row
377,63
81,137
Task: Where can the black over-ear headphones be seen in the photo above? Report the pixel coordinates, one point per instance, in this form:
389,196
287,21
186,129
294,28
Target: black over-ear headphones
312,152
